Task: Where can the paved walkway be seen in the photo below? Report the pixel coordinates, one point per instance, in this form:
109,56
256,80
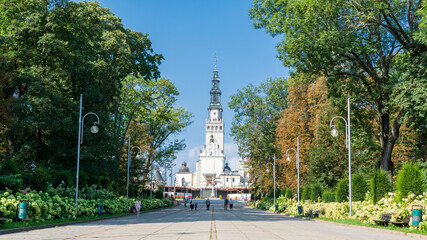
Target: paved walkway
181,223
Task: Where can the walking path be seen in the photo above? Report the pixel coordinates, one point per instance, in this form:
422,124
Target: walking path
180,223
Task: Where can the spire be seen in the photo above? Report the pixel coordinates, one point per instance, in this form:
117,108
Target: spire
215,91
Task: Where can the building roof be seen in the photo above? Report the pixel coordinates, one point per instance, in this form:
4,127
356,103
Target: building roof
184,168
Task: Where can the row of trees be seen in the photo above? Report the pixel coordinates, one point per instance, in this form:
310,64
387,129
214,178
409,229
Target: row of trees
51,52
373,52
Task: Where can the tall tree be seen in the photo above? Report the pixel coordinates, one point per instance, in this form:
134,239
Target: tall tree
256,112
357,45
57,50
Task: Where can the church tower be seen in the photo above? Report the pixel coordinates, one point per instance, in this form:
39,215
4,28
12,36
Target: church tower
212,158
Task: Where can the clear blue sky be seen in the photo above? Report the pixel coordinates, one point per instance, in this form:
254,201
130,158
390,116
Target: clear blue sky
188,34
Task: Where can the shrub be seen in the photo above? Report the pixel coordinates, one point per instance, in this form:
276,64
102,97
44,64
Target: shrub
316,191
40,179
409,180
380,185
289,194
9,167
13,182
359,187
328,196
283,192
306,193
341,194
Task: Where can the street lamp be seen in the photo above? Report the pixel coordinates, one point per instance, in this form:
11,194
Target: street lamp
288,158
185,192
261,182
274,177
94,129
334,133
129,161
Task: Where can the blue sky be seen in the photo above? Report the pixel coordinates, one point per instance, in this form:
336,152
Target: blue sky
188,34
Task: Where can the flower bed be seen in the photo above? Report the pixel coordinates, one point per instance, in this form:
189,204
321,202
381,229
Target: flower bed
45,207
365,211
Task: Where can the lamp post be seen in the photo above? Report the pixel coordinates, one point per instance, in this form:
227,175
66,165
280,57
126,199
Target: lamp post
129,161
274,179
334,133
297,162
261,182
185,192
151,190
94,129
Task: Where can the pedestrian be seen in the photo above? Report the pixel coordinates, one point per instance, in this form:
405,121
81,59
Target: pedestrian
185,203
208,204
138,206
225,203
231,203
191,204
195,205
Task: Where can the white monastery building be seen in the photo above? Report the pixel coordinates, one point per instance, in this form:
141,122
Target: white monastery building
212,171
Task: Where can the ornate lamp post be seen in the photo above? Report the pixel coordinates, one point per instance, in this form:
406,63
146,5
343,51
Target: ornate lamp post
274,177
334,133
297,162
129,161
94,129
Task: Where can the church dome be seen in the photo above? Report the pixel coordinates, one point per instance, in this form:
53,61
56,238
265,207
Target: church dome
184,168
226,168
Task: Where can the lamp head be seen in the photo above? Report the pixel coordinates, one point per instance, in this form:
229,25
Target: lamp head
334,132
94,129
288,159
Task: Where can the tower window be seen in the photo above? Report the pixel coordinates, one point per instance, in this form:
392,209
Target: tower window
226,179
208,128
216,128
212,139
220,128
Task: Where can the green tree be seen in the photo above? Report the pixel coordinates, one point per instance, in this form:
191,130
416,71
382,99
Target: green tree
410,180
358,45
359,187
380,185
55,51
256,112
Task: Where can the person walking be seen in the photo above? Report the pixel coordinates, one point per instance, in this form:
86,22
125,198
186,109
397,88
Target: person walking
225,203
138,206
208,204
191,204
231,203
195,205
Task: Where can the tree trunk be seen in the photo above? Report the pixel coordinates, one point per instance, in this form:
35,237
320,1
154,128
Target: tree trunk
388,140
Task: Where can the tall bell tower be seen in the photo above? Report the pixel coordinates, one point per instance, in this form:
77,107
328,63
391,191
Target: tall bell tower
212,159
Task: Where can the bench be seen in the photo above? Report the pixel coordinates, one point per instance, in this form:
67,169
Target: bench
404,222
2,221
310,213
385,219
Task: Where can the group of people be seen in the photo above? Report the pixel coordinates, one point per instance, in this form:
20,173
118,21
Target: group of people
226,202
193,205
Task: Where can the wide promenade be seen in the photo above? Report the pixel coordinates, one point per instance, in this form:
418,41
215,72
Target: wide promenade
180,223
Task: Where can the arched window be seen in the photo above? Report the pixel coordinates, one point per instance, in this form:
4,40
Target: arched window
220,128
216,128
208,128
212,139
